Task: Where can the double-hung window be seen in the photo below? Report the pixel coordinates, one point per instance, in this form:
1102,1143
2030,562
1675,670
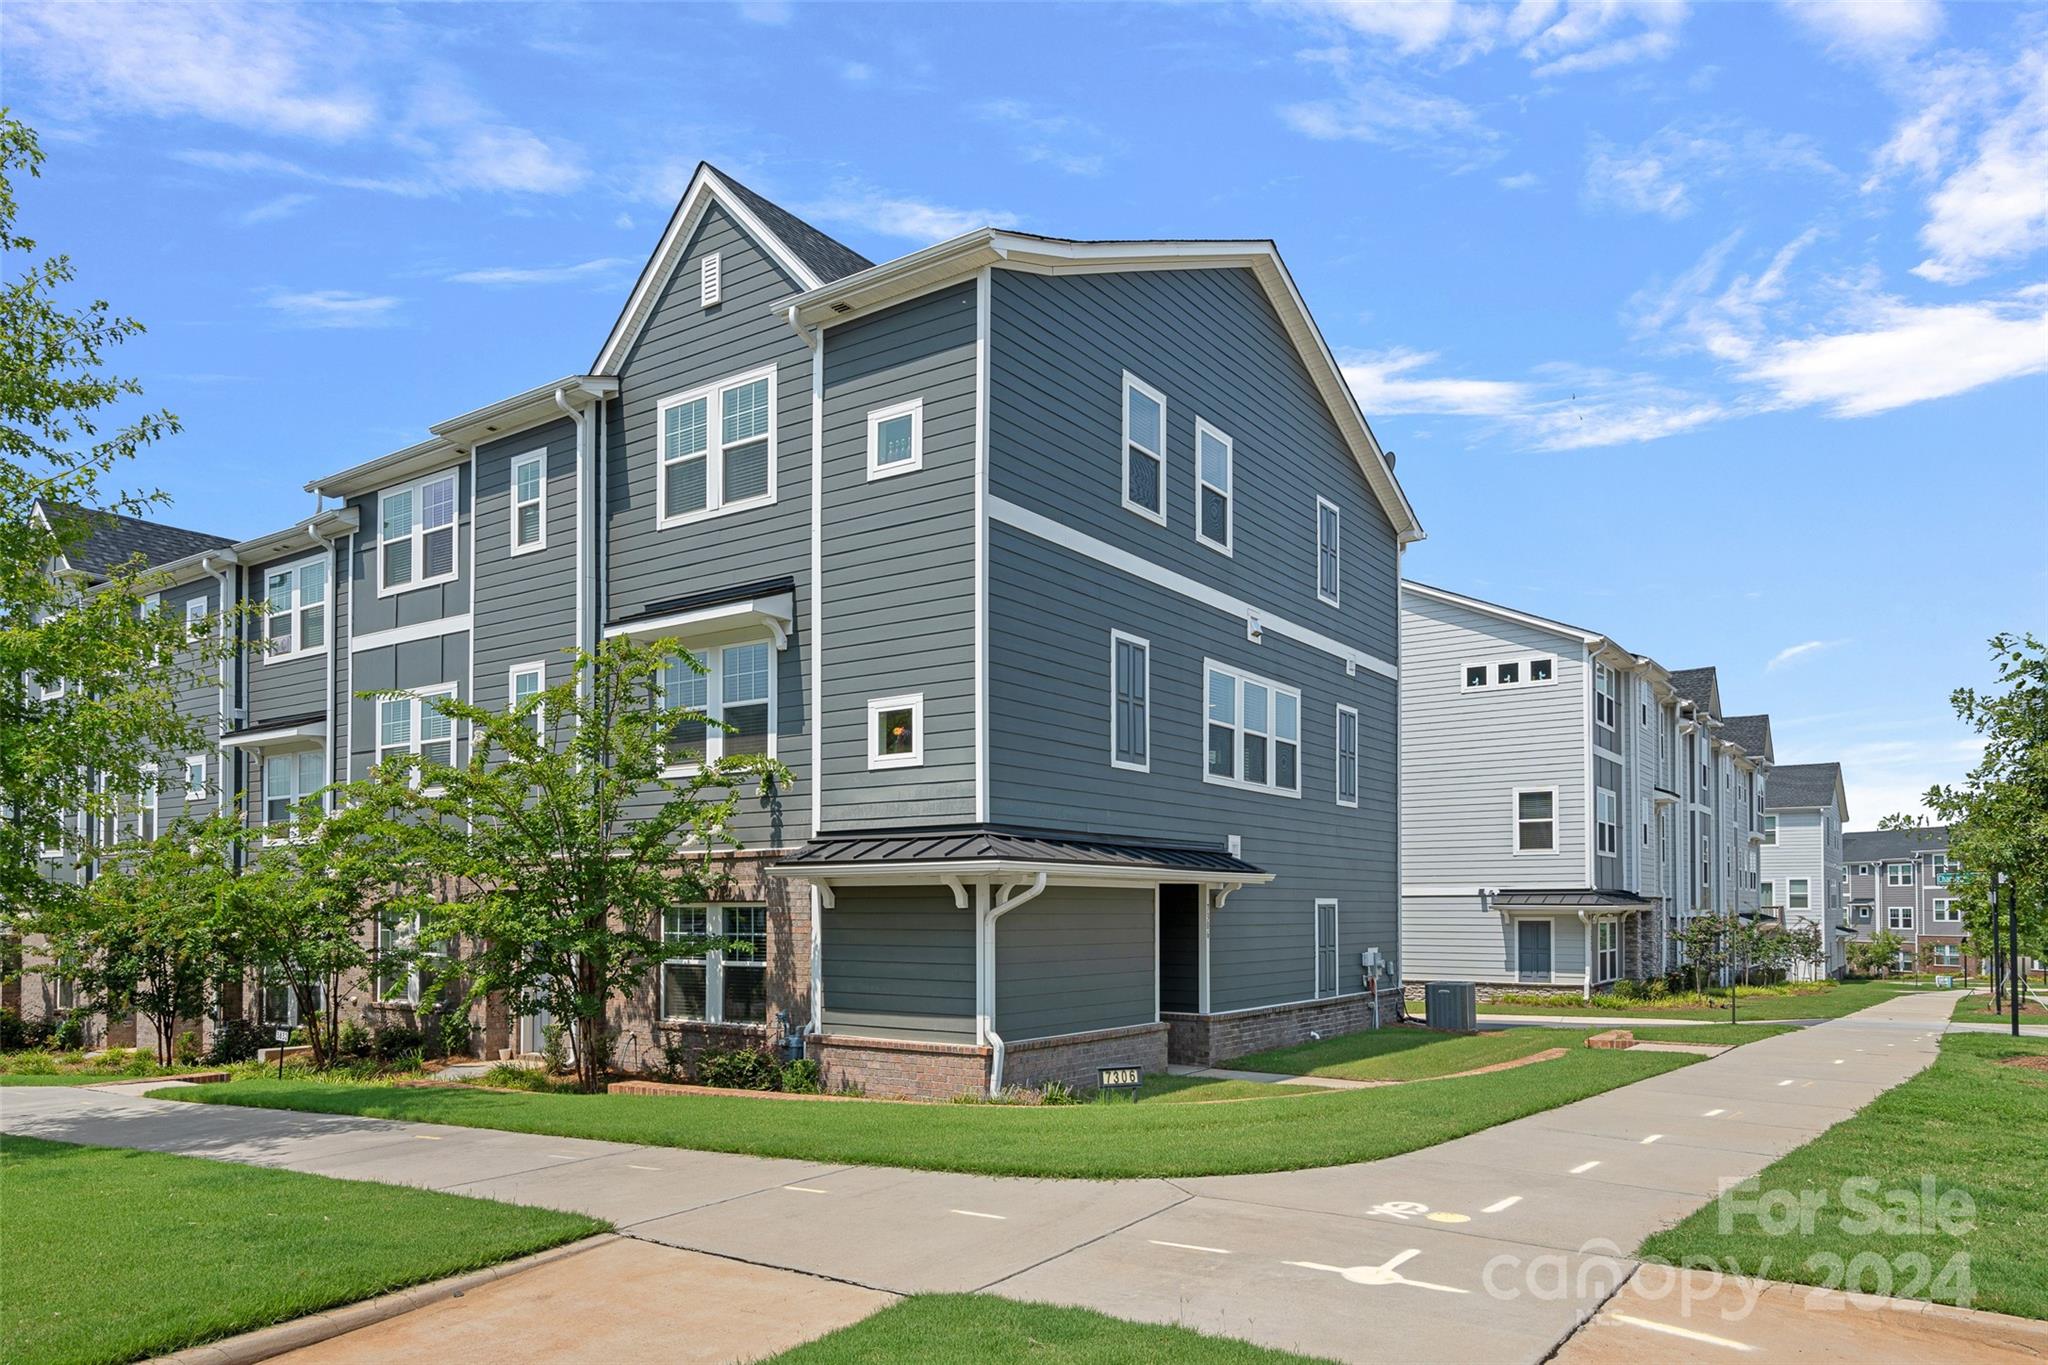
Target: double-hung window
416,534
1605,712
279,1003
1144,458
1254,729
1326,948
1329,551
530,503
1535,821
1608,823
896,439
1608,945
1937,868
719,972
1767,896
288,779
735,689
526,682
1347,756
1898,874
396,981
1943,911
195,777
1797,894
295,608
1215,511
1130,703
718,448
195,616
1899,916
1770,830
416,725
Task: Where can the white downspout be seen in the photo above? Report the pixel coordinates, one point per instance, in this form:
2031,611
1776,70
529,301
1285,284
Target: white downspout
327,543
1003,906
817,1025
1586,925
585,533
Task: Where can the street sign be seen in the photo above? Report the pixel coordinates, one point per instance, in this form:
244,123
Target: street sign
1119,1077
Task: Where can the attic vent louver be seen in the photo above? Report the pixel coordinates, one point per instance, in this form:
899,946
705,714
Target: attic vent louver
842,308
708,283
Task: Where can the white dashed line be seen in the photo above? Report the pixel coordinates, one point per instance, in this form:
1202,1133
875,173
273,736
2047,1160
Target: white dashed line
561,1156
1838,1061
1786,1081
1180,1246
425,1137
1583,1167
806,1189
970,1213
1713,1113
631,1167
1506,1203
1650,1139
1685,1332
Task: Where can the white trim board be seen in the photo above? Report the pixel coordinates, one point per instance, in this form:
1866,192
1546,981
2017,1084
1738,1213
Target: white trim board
1066,537
423,630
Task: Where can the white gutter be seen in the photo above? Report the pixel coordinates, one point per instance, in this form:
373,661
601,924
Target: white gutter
1009,901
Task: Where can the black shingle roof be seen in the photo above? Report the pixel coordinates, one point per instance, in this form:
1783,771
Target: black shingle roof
1874,845
1802,784
828,259
988,843
112,538
1753,733
1699,685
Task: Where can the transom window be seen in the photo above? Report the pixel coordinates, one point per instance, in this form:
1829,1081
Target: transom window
1214,507
1329,551
1144,449
529,503
896,439
896,731
1898,874
1254,731
1607,823
416,534
295,608
287,780
708,979
717,448
1347,756
1130,667
1798,894
735,688
1535,821
1509,673
416,725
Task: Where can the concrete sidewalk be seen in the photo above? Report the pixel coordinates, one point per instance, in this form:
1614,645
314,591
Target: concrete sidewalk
1493,1247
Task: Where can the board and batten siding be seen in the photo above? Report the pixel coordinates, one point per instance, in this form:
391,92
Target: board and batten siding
375,611
414,665
1464,754
899,963
1076,958
899,562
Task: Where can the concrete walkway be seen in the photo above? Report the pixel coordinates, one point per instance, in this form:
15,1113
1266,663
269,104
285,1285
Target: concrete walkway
1494,1247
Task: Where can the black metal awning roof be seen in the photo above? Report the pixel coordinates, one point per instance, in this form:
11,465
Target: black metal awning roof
1588,899
963,848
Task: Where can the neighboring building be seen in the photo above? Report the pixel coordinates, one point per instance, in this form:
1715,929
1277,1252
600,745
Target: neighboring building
1802,853
1566,804
1076,622
1899,880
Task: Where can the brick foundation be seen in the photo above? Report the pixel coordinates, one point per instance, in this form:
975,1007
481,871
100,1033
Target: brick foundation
1074,1059
901,1068
1486,991
1211,1039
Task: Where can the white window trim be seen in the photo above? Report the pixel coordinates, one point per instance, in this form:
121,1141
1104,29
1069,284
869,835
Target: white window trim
1798,888
297,610
1898,917
196,611
418,697
539,457
912,702
1770,831
1203,427
1941,910
197,793
540,668
914,410
1515,823
418,534
1612,696
1766,896
713,659
1334,597
713,961
1275,691
292,832
1117,637
1527,664
1605,830
1906,867
1337,756
1132,381
714,450
1336,948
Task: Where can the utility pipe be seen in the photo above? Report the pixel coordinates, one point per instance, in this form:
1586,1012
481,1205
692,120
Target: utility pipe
1009,901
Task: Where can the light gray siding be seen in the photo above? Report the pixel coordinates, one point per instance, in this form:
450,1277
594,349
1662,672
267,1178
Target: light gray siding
1075,959
1455,938
899,963
899,568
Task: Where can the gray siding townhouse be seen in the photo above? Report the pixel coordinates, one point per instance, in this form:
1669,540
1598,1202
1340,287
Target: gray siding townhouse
1566,803
1802,852
1900,880
1063,576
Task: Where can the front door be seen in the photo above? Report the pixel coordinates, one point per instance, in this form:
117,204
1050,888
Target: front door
1532,949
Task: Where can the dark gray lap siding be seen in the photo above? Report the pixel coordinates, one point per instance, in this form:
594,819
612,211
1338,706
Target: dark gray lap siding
899,963
1075,958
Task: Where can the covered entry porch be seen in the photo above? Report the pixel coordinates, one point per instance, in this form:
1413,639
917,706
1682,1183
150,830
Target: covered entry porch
950,961
1572,937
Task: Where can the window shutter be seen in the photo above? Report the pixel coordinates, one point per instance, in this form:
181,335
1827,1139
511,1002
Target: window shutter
709,281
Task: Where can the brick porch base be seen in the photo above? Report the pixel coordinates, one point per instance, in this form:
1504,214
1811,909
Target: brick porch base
1208,1039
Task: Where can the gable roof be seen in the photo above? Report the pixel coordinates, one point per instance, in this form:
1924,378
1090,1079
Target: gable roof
111,539
965,256
1495,609
1872,845
1753,733
807,255
1806,786
1699,685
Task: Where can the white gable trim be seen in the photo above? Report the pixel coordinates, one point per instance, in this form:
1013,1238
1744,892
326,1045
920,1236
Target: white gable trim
705,189
1500,613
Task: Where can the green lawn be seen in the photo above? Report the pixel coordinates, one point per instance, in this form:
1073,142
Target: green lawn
111,1255
1976,1009
1818,1000
1971,1123
1094,1141
1413,1054
36,1067
992,1331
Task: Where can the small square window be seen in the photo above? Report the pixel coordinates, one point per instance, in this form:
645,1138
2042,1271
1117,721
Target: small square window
896,731
1539,670
896,439
1475,675
1508,674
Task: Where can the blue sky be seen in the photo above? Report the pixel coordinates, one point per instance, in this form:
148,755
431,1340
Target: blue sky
1764,282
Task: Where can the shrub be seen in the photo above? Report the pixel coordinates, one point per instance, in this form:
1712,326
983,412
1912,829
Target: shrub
396,1041
352,1039
738,1068
454,1034
234,1040
512,1076
13,1030
69,1034
1057,1092
675,1060
554,1052
186,1050
802,1077
31,1064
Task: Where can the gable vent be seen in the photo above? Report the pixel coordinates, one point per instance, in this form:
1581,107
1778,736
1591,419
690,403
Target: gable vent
708,284
842,308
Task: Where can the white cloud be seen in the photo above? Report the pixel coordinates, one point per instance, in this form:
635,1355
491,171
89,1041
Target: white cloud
1525,180
623,221
271,210
1061,141
1868,26
1806,649
1392,115
856,73
1660,174
1594,35
912,219
1557,39
1994,209
775,12
604,268
264,164
334,308
1386,384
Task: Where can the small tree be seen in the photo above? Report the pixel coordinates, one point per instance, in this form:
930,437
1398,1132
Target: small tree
1876,955
565,835
1800,945
1703,943
149,934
